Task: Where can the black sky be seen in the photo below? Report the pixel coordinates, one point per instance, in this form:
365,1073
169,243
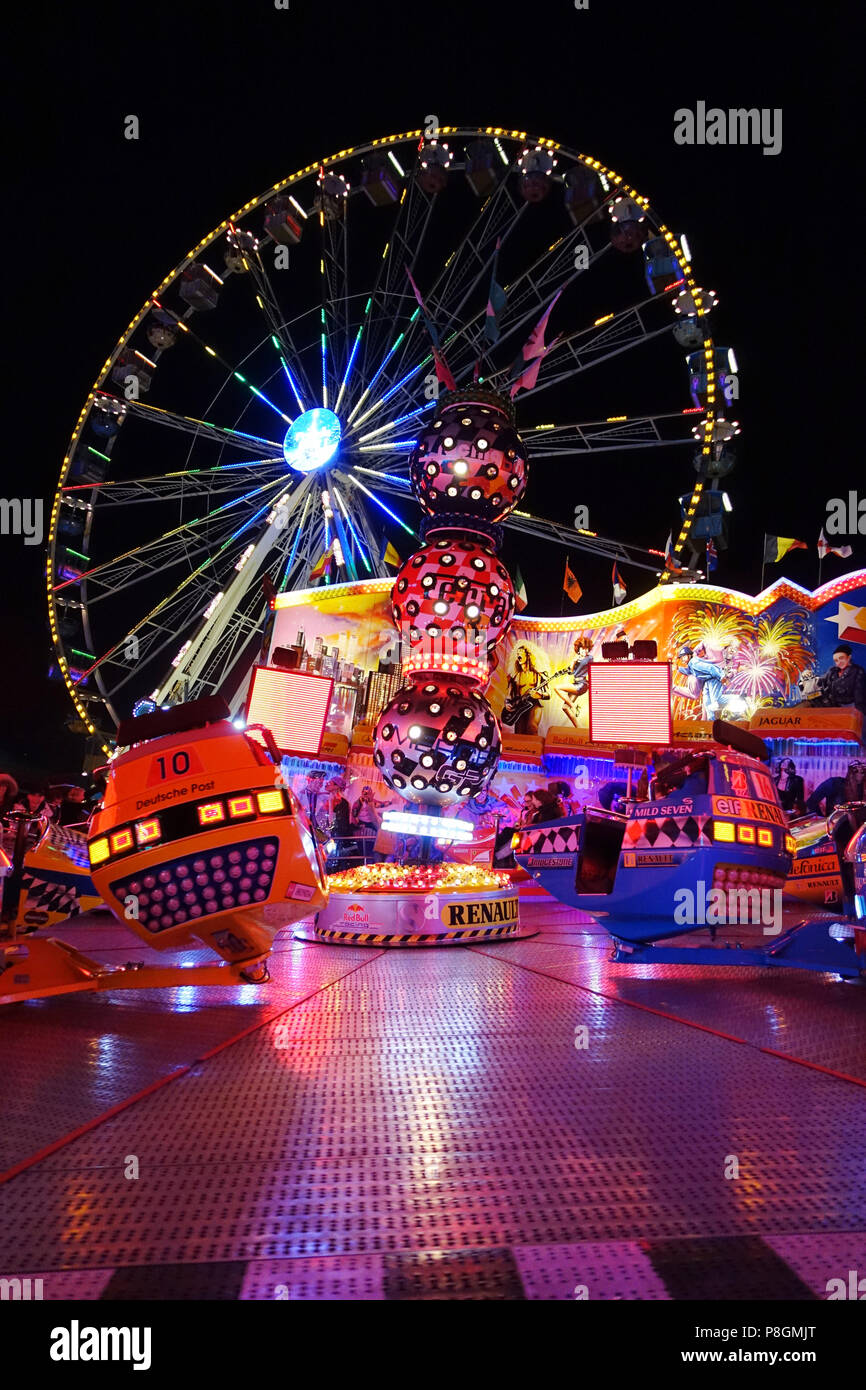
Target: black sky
232,97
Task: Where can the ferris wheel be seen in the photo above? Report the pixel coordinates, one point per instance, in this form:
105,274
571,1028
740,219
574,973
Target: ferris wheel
251,430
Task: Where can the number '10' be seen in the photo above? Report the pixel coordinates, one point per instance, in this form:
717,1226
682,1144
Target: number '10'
179,764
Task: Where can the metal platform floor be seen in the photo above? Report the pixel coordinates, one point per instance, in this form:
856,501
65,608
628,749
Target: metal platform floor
398,1125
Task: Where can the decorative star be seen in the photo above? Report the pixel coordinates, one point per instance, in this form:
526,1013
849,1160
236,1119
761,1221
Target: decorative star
850,622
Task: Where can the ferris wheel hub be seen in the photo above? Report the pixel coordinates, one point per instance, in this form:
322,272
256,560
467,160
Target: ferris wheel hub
312,440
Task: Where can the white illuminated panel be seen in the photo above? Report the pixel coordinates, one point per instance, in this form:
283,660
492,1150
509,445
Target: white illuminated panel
441,827
630,702
293,705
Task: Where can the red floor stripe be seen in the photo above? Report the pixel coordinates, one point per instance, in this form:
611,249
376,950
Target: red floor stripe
674,1018
91,1124
815,1066
122,1105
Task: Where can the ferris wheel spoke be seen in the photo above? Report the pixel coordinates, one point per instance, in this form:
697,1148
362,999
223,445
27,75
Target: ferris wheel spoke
152,554
217,357
115,673
526,295
335,297
497,218
580,361
355,421
356,482
171,487
360,546
414,215
207,429
367,441
572,539
615,433
325,296
209,563
280,335
300,531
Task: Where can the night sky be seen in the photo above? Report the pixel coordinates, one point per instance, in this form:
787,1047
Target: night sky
233,97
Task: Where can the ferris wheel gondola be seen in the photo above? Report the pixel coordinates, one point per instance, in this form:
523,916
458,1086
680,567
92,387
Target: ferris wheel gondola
254,423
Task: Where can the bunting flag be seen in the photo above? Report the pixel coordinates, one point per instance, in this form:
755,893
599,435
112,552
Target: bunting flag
671,564
712,556
825,548
619,586
533,353
570,584
324,563
520,599
388,554
495,302
443,371
777,547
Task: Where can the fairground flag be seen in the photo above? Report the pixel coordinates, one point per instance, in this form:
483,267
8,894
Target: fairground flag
825,548
619,587
388,554
671,564
520,599
324,563
777,547
712,556
495,302
570,584
533,353
443,371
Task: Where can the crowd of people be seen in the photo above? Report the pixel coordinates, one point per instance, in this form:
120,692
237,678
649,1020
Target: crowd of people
826,796
63,803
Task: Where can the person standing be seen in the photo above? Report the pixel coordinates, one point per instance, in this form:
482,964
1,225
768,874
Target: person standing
845,682
72,808
790,788
367,819
339,820
8,793
564,792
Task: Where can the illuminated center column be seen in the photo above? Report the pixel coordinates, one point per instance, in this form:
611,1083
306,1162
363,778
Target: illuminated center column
437,741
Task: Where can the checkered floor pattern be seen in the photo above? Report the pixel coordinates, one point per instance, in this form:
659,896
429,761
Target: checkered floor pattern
701,1269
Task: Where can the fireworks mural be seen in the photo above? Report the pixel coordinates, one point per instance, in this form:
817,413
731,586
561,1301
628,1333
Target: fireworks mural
727,663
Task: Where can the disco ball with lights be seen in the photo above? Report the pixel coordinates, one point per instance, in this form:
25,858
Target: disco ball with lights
453,596
437,741
312,440
471,459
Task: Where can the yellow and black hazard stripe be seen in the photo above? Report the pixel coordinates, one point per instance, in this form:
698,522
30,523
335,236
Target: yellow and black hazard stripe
415,938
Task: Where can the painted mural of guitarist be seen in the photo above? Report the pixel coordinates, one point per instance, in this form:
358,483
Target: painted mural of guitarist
578,684
527,691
